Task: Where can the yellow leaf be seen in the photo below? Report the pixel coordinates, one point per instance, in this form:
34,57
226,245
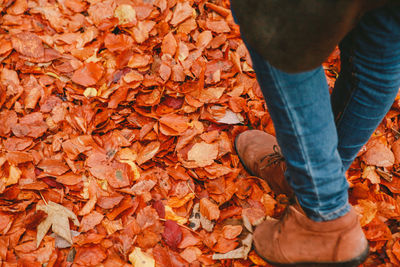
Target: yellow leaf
175,202
367,210
171,215
125,14
57,218
90,92
127,154
141,259
370,174
14,175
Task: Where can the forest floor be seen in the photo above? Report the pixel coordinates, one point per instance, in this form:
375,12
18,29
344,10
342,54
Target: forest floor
117,124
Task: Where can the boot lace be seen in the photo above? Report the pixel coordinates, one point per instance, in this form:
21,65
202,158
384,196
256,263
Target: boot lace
272,158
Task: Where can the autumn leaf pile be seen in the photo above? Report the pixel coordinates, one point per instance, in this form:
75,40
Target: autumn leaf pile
117,120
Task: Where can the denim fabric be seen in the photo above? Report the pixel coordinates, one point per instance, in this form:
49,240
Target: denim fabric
320,135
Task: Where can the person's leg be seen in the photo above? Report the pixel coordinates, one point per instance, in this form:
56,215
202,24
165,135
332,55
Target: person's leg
328,232
299,105
369,79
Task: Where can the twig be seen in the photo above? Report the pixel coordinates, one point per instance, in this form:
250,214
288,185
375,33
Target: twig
45,202
190,188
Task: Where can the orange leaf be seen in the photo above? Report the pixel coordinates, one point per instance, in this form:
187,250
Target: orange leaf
28,44
118,42
203,154
176,122
183,10
90,221
378,155
169,45
90,256
208,209
88,75
231,231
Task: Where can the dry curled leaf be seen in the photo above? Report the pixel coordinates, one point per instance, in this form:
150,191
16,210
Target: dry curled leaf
58,219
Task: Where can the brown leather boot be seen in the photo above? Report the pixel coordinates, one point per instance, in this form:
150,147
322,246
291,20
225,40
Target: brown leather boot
260,155
295,240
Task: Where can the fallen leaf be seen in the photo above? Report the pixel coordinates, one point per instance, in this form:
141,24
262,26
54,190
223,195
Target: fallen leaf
183,11
90,221
89,74
239,253
32,125
378,155
208,209
172,234
190,254
231,231
141,259
90,256
229,117
126,15
57,219
169,44
148,152
28,44
370,174
203,154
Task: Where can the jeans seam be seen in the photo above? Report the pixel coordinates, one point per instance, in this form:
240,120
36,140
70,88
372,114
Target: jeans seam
305,157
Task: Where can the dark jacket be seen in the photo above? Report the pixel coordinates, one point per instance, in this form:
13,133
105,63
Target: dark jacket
298,35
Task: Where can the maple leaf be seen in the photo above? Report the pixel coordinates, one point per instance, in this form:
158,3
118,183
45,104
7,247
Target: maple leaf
57,219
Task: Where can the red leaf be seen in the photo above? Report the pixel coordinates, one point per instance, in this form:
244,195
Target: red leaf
172,234
160,208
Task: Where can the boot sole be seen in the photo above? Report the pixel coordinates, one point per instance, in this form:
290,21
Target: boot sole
352,263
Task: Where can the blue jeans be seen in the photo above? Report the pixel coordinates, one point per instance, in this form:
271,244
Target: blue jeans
320,134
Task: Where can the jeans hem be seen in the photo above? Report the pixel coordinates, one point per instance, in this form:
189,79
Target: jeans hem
331,215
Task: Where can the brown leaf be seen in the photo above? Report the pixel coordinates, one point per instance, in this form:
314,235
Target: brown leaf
139,61
142,29
69,179
57,218
17,144
8,119
90,256
231,231
218,26
18,157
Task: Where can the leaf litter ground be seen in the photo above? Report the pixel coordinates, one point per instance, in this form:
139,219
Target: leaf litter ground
117,120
